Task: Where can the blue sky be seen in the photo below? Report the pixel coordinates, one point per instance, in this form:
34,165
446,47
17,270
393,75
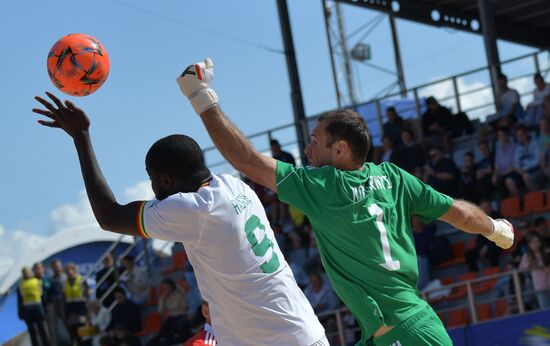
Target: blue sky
149,43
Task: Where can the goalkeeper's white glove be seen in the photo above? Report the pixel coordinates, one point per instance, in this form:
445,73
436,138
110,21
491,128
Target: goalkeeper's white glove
502,234
194,83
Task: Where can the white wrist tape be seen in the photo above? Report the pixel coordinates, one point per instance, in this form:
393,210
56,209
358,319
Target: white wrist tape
502,234
203,99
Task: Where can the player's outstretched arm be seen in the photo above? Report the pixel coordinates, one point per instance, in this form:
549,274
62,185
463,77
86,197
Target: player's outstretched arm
471,219
194,82
109,214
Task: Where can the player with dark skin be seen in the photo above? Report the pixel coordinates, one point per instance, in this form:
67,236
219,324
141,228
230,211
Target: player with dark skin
109,213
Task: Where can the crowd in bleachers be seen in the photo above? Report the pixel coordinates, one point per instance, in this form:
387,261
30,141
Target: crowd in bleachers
510,159
505,170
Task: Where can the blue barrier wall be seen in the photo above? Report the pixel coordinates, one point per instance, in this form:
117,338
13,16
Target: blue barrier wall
532,329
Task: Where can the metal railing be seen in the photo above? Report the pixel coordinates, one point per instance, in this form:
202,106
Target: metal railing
515,299
118,277
456,100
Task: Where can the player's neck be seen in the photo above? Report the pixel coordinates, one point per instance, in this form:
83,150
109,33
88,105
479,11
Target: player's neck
349,166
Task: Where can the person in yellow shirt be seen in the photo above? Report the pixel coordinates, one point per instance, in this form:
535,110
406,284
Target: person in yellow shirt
30,307
74,293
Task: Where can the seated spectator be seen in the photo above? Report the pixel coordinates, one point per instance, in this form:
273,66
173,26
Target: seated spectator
505,285
410,156
136,280
441,173
535,109
393,127
509,107
423,239
469,178
173,307
320,294
536,260
121,336
484,171
437,123
387,149
206,335
541,227
544,134
99,318
526,163
485,251
279,154
105,278
504,161
125,313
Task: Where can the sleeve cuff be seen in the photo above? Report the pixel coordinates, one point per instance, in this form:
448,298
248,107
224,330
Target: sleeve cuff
141,222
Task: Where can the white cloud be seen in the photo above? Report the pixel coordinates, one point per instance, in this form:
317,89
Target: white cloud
139,192
13,245
72,215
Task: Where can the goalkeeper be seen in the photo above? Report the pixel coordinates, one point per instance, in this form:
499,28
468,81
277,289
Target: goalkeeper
360,213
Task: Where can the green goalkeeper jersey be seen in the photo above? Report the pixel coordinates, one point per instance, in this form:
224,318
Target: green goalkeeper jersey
361,220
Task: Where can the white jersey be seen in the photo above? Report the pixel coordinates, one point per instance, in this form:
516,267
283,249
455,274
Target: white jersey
241,272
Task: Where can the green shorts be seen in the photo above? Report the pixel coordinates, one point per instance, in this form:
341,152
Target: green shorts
423,329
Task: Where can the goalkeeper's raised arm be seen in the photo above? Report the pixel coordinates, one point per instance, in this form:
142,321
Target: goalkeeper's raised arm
194,82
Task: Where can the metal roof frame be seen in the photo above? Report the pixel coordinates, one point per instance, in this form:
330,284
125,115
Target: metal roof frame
525,22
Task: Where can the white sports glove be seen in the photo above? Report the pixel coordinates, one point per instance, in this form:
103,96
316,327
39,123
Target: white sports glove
194,83
503,233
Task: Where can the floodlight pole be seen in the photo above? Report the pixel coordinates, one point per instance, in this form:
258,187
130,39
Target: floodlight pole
398,62
490,39
295,89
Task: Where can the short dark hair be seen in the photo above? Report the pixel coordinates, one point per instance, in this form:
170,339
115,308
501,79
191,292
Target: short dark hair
539,221
431,99
409,131
391,109
502,76
538,76
170,282
274,142
347,125
521,127
469,153
129,258
504,129
120,290
178,155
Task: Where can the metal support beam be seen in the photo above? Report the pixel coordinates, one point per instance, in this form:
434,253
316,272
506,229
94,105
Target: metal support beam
398,62
292,66
490,41
327,14
463,20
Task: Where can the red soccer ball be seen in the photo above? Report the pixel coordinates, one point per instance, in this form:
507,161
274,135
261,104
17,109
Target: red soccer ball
78,64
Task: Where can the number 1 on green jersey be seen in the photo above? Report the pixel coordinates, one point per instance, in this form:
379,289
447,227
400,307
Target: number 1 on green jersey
389,263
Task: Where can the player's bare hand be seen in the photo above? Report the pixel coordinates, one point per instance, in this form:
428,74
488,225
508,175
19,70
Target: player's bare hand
65,116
